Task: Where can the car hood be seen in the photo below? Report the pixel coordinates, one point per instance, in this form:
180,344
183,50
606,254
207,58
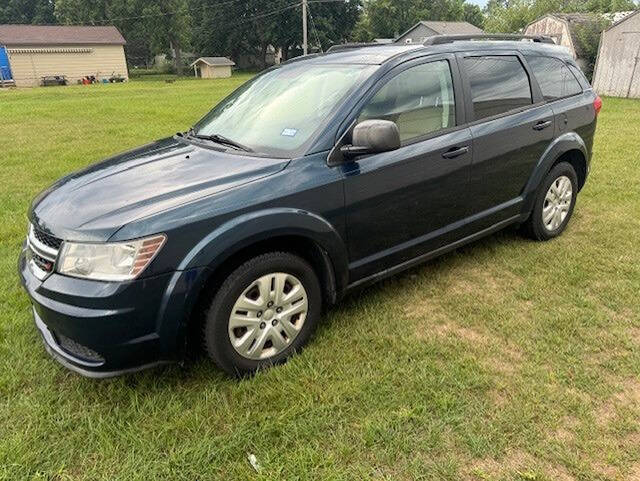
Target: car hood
94,203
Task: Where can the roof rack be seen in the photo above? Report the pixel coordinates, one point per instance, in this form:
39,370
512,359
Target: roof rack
441,39
350,46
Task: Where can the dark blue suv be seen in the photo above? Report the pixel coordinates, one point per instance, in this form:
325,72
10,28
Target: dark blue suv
316,177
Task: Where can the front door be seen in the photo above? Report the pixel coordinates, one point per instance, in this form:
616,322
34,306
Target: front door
400,203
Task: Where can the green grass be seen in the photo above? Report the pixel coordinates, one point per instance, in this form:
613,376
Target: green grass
507,359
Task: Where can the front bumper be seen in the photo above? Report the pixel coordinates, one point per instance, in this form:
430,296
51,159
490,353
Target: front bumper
104,329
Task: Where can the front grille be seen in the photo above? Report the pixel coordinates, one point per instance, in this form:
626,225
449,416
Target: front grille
47,239
42,263
76,349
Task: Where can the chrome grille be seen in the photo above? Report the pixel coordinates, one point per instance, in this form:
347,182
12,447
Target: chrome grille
47,239
42,252
41,262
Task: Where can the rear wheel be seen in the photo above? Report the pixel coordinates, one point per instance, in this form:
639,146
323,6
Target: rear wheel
263,313
554,203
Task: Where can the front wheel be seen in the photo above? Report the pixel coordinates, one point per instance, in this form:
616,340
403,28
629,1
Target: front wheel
263,313
554,203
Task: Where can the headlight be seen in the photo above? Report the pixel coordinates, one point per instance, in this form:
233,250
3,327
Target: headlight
116,261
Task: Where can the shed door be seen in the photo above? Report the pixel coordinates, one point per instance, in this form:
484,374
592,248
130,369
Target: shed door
5,70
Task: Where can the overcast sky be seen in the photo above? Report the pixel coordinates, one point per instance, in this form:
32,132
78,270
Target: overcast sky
481,3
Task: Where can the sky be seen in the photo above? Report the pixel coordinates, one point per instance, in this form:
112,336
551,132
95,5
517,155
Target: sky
480,3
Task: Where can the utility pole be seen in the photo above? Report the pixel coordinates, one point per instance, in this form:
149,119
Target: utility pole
305,44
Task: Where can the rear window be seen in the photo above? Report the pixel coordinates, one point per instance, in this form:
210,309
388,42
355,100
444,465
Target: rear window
554,77
498,84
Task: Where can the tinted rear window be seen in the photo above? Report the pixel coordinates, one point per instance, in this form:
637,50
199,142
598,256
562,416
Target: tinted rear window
498,84
554,77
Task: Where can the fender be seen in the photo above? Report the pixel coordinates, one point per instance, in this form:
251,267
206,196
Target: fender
564,143
186,283
250,228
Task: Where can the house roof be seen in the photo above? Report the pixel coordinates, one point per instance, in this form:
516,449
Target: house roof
215,61
446,28
59,35
624,16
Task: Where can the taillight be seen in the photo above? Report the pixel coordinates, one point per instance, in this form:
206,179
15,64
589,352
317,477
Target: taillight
597,104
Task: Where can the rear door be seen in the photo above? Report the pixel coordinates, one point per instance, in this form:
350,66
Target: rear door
561,85
511,127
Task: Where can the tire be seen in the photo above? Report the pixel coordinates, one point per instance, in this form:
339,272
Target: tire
260,334
538,226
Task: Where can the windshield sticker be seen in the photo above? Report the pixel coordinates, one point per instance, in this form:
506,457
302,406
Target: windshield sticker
289,132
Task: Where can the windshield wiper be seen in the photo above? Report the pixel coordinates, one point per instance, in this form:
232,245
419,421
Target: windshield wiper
217,138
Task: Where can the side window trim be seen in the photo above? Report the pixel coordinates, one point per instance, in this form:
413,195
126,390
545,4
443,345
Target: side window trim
569,69
536,93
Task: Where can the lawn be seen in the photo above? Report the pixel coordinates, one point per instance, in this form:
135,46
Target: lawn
505,360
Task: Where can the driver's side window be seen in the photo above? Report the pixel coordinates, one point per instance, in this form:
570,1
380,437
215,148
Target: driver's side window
419,100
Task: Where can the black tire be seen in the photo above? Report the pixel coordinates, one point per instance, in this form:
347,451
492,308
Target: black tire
534,226
216,335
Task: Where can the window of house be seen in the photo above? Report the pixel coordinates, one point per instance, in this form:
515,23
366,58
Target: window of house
498,84
554,77
419,100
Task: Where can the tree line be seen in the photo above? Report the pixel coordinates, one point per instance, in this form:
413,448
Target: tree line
236,27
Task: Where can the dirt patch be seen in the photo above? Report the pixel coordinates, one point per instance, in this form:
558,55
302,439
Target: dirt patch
465,333
607,471
628,396
565,432
498,355
517,463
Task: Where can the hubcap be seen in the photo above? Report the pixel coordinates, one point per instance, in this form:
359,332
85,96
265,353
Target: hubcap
557,203
268,316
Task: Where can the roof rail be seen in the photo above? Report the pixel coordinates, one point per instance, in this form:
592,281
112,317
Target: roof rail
441,39
350,46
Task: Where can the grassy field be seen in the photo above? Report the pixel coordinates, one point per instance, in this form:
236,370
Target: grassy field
505,360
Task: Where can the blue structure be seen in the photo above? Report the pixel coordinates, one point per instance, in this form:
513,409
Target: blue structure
5,69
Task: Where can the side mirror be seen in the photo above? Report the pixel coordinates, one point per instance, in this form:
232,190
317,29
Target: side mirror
372,137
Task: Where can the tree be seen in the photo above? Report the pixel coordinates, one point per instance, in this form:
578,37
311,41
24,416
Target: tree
514,15
473,14
588,39
149,27
390,18
27,11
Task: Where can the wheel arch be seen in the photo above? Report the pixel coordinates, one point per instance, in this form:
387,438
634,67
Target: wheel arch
280,229
568,147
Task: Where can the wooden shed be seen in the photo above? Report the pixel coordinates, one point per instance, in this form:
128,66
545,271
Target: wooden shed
617,71
563,29
35,52
213,67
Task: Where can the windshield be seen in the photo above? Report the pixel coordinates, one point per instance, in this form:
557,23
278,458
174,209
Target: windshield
279,111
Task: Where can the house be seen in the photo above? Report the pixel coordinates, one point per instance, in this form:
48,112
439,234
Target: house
617,71
564,29
38,51
213,67
422,30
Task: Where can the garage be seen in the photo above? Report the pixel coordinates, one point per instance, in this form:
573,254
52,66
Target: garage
44,54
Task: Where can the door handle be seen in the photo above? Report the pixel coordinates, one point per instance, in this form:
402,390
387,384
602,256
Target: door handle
455,152
543,124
